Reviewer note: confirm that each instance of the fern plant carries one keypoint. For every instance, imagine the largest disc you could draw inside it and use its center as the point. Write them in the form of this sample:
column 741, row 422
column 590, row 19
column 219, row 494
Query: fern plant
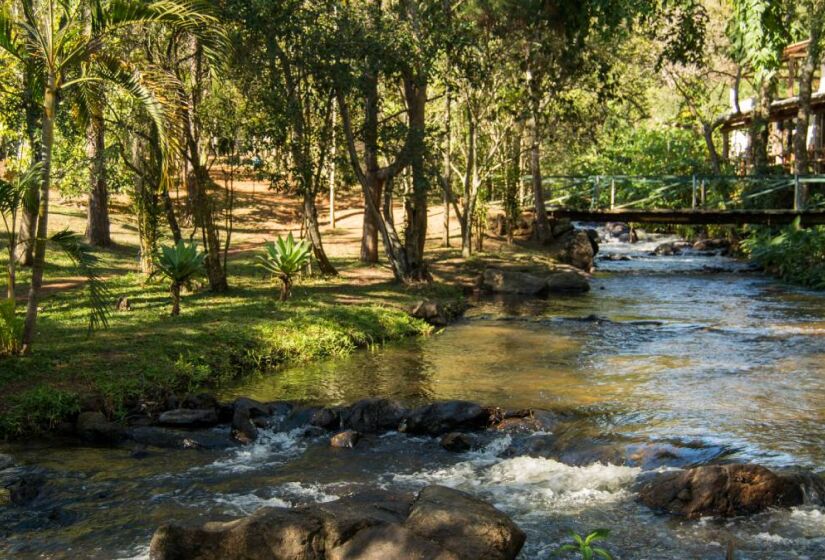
column 584, row 545
column 284, row 259
column 179, row 263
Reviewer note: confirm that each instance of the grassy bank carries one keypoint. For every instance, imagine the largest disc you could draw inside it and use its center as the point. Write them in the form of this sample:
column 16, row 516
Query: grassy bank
column 218, row 338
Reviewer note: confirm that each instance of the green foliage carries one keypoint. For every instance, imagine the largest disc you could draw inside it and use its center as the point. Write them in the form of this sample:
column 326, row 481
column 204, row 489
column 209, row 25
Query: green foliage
column 38, row 409
column 795, row 254
column 284, row 259
column 99, row 297
column 181, row 261
column 11, row 327
column 584, row 545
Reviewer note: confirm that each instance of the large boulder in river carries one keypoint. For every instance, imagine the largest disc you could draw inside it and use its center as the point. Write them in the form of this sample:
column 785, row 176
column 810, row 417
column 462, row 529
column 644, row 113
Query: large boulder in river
column 441, row 524
column 727, row 490
column 464, row 525
column 567, row 281
column 579, row 250
column 370, row 416
column 504, row 281
column 245, row 413
column 442, row 417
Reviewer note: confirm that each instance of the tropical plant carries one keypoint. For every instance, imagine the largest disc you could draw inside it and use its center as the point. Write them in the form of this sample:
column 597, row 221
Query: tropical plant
column 70, row 44
column 10, row 328
column 179, row 263
column 795, row 254
column 284, row 259
column 584, row 545
column 12, row 198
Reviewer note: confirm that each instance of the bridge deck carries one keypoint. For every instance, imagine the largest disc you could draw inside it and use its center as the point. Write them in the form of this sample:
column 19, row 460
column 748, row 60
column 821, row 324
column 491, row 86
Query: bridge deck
column 693, row 217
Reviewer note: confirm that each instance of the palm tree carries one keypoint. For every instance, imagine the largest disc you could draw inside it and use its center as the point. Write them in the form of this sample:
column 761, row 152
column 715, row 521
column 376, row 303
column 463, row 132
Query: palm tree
column 70, row 43
column 179, row 263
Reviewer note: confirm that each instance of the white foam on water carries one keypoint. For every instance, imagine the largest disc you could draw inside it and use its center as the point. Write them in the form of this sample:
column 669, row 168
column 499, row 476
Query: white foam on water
column 529, row 485
column 141, row 553
column 247, row 504
column 270, row 448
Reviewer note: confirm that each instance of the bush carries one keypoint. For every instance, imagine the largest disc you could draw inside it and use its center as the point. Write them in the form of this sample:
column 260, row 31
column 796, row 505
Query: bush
column 795, row 254
column 11, row 328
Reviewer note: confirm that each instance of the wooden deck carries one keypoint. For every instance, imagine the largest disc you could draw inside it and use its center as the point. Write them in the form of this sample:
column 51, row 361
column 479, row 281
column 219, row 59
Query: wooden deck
column 693, row 217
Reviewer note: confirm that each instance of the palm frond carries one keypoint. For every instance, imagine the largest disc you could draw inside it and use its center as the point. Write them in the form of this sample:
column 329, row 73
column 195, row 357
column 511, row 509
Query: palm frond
column 100, row 298
column 181, row 261
column 9, row 40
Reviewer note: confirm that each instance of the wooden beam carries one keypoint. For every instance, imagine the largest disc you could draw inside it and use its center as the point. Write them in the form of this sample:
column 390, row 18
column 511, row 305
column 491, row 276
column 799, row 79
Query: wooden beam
column 693, row 217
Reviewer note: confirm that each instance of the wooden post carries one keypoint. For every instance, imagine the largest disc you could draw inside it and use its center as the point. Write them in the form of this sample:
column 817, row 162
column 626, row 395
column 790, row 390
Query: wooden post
column 612, row 193
column 693, row 191
column 702, row 192
column 595, row 200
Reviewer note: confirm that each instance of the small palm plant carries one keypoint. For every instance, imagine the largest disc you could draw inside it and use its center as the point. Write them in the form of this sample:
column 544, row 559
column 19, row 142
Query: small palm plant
column 14, row 195
column 284, row 259
column 179, row 263
column 584, row 545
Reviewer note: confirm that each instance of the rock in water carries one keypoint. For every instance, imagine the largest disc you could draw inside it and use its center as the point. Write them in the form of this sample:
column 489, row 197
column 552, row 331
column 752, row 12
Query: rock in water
column 5, row 461
column 345, row 439
column 439, row 418
column 441, row 524
column 503, row 281
column 95, row 427
column 579, row 251
column 189, row 418
column 726, row 490
column 431, row 312
column 567, row 281
column 466, row 526
column 458, row 442
column 244, row 429
column 371, row 416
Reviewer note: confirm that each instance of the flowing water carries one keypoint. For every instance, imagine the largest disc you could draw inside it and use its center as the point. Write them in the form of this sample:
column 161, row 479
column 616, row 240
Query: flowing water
column 668, row 361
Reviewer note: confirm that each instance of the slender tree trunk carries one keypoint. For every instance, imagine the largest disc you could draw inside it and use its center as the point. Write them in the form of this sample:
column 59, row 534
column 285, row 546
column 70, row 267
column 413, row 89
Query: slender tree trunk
column 28, row 223
column 542, row 231
column 172, row 220
column 314, row 233
column 715, row 164
column 803, row 115
column 30, row 325
column 448, row 171
column 146, row 204
column 97, row 223
column 286, row 287
column 175, row 291
column 470, row 188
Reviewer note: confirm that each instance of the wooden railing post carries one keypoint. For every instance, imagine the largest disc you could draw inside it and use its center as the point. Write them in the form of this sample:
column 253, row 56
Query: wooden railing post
column 702, row 191
column 612, row 193
column 797, row 194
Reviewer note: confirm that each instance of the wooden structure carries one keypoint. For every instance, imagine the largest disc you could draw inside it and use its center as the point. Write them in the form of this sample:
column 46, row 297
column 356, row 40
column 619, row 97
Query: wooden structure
column 783, row 112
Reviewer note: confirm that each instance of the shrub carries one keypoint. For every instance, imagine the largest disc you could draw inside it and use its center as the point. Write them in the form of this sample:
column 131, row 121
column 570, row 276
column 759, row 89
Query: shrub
column 795, row 254
column 179, row 263
column 11, row 328
column 284, row 259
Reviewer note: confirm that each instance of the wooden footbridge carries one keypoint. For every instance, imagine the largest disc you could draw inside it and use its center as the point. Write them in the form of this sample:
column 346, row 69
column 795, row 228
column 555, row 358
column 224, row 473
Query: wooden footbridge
column 687, row 199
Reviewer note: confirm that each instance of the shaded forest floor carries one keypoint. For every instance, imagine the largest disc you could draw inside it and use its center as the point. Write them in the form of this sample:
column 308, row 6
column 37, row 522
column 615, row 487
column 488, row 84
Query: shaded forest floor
column 145, row 353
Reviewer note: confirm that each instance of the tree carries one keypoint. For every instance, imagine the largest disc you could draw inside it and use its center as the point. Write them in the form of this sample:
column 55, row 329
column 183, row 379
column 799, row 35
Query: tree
column 179, row 263
column 758, row 34
column 814, row 12
column 53, row 36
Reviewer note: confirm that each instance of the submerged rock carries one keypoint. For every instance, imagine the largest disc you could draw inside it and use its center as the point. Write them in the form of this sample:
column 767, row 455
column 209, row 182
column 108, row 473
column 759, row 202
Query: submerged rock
column 727, row 490
column 567, row 281
column 345, row 439
column 433, row 312
column 502, row 281
column 439, row 418
column 6, row 461
column 439, row 524
column 458, row 442
column 244, row 427
column 667, row 249
column 166, row 438
column 712, row 245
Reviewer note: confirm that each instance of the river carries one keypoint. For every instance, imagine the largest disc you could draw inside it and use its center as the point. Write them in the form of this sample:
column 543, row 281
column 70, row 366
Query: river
column 694, row 355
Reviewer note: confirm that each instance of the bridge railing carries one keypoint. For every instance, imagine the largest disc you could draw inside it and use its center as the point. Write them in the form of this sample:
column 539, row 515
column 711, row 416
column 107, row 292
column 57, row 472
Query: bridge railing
column 695, row 192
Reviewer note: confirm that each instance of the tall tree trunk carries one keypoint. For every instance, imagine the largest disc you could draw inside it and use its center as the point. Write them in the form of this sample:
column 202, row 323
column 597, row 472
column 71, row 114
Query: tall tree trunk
column 175, row 293
column 760, row 125
column 30, row 325
column 28, row 223
column 470, row 188
column 415, row 234
column 314, row 233
column 375, row 185
column 146, row 203
column 97, row 223
column 448, row 171
column 542, row 231
column 803, row 115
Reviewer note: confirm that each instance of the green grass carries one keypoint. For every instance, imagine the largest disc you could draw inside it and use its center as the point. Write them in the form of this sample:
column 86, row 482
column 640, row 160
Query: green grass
column 218, row 338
